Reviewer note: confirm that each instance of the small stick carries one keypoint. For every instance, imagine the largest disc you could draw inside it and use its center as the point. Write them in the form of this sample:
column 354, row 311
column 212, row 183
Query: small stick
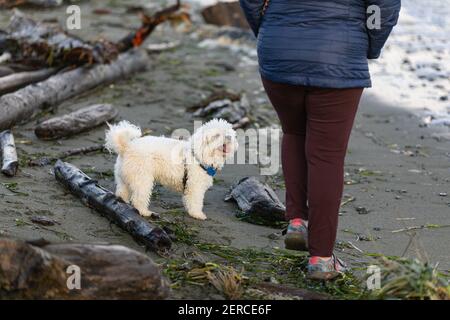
column 355, row 247
column 419, row 227
column 10, row 163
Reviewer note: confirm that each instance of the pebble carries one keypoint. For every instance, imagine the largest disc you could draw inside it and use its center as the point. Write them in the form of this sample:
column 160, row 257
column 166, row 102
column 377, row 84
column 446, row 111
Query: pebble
column 362, row 210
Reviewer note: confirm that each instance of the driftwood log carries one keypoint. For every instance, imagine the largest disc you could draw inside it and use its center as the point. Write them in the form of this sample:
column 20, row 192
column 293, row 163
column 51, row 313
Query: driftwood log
column 75, row 122
column 22, row 104
column 42, row 271
column 43, row 44
column 257, row 200
column 19, row 80
column 112, row 207
column 5, row 71
column 10, row 163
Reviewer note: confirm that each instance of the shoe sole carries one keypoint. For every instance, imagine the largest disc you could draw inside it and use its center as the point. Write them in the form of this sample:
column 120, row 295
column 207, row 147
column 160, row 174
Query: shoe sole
column 319, row 275
column 295, row 242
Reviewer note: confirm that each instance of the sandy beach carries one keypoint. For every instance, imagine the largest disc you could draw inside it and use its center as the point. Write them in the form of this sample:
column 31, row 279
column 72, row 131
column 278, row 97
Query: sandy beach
column 397, row 192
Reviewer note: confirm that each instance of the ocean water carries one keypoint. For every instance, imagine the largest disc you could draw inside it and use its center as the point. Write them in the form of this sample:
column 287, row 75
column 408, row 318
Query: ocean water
column 414, row 69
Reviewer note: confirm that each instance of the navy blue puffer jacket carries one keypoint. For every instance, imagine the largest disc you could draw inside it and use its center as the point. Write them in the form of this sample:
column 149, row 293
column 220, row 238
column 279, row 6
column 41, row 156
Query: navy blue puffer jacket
column 319, row 43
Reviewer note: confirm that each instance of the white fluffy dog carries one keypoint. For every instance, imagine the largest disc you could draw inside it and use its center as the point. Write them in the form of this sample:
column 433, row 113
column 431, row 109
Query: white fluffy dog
column 184, row 166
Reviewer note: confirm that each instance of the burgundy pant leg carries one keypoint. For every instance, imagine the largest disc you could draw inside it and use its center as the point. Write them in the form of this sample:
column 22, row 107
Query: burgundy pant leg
column 289, row 103
column 330, row 116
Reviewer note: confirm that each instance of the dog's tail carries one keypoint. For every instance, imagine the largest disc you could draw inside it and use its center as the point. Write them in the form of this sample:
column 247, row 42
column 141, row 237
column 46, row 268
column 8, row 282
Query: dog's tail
column 118, row 136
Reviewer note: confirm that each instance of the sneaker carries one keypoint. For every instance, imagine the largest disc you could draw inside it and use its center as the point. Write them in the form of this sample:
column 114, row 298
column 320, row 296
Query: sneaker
column 322, row 269
column 296, row 235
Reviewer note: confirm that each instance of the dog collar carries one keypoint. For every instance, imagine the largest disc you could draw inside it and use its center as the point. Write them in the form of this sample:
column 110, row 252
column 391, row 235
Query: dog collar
column 209, row 170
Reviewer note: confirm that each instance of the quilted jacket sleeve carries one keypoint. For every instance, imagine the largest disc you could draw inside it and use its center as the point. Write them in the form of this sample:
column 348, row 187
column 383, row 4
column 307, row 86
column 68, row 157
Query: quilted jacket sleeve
column 252, row 10
column 389, row 10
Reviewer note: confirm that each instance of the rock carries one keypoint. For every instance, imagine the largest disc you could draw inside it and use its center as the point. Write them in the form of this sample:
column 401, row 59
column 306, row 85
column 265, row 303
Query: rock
column 362, row 210
column 257, row 200
column 107, row 272
column 225, row 14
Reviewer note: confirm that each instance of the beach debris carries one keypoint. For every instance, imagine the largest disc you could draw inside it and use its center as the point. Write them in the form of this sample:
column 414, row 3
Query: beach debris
column 43, row 220
column 361, row 210
column 235, row 112
column 346, row 199
column 19, row 80
column 44, row 161
column 10, row 164
column 256, row 200
column 75, row 122
column 113, row 208
column 44, row 44
column 160, row 47
column 364, row 237
column 49, row 271
column 410, row 279
column 34, row 3
column 22, row 104
column 426, row 226
column 214, row 96
column 225, row 14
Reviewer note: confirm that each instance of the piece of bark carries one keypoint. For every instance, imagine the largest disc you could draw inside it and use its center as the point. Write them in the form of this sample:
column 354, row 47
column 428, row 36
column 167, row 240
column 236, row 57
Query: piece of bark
column 225, row 14
column 75, row 122
column 16, row 81
column 257, row 200
column 22, row 104
column 112, row 207
column 10, row 164
column 106, row 272
column 44, row 161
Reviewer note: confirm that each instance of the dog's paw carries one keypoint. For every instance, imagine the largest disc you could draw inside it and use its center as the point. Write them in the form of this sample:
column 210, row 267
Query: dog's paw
column 147, row 213
column 199, row 216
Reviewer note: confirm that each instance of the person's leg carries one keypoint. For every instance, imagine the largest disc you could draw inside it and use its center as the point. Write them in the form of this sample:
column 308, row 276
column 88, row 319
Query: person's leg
column 330, row 116
column 288, row 101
